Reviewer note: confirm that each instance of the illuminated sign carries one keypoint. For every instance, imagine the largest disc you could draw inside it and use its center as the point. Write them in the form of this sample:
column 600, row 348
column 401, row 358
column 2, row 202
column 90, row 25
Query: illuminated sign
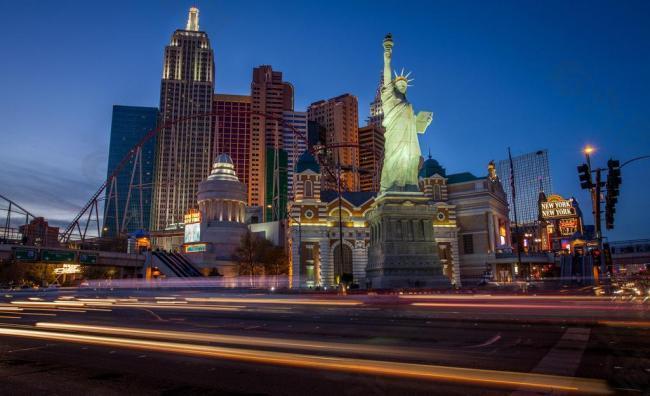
column 68, row 269
column 568, row 226
column 199, row 247
column 192, row 232
column 193, row 216
column 557, row 207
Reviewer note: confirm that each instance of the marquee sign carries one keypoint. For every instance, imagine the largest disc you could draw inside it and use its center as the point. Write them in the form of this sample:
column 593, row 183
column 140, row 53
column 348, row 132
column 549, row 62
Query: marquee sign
column 556, row 207
column 568, row 227
column 193, row 216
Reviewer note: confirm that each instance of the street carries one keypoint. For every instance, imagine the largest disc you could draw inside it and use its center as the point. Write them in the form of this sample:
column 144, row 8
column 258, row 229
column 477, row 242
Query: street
column 82, row 341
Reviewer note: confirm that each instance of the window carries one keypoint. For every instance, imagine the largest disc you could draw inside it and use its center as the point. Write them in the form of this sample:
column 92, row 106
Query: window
column 468, row 243
column 309, row 191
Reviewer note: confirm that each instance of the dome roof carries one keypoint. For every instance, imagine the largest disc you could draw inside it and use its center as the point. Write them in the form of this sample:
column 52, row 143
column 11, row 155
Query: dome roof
column 223, row 169
column 430, row 167
column 307, row 161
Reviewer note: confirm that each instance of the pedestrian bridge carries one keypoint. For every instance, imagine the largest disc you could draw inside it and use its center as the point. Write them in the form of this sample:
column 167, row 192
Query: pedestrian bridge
column 59, row 255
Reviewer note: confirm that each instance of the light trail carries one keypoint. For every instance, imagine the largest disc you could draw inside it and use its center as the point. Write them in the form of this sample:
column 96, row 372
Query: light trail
column 527, row 306
column 377, row 350
column 288, row 301
column 622, row 323
column 497, row 297
column 494, row 378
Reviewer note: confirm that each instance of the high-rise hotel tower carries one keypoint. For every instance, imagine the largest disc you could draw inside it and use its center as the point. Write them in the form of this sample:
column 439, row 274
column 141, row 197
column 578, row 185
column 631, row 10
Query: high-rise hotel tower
column 184, row 153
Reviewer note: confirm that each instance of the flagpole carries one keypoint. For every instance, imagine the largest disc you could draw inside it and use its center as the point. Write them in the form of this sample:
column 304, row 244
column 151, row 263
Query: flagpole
column 514, row 206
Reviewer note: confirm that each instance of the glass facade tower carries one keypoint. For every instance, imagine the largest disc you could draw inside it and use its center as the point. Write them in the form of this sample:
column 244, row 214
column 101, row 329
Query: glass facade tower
column 532, row 175
column 130, row 124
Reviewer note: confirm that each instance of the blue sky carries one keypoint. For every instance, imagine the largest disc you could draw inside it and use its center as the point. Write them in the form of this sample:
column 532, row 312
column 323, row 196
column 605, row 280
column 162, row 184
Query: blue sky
column 524, row 74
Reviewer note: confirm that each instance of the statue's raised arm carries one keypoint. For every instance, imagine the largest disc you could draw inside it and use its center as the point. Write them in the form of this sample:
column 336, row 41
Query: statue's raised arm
column 388, row 53
column 401, row 127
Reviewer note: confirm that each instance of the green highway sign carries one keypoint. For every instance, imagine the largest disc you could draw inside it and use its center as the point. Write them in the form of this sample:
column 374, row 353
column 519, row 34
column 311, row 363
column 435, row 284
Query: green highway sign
column 22, row 254
column 87, row 258
column 57, row 256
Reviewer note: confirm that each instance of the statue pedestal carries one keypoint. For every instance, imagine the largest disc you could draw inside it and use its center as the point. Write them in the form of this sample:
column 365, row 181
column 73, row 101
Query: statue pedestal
column 402, row 251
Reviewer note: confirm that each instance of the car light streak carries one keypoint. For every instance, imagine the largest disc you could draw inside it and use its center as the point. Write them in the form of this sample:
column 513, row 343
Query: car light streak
column 524, row 306
column 622, row 323
column 377, row 350
column 287, row 301
column 496, row 297
column 371, row 367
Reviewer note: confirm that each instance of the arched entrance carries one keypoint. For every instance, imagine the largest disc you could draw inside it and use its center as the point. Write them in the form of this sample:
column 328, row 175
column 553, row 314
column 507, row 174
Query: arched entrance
column 343, row 268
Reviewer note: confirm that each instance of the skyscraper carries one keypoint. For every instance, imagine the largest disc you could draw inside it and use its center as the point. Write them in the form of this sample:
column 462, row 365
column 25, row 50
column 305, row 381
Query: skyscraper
column 270, row 97
column 340, row 118
column 371, row 155
column 184, row 152
column 294, row 136
column 129, row 125
column 376, row 111
column 532, row 175
column 232, row 131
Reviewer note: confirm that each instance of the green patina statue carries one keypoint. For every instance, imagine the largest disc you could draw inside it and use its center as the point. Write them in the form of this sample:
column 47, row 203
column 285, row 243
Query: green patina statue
column 402, row 149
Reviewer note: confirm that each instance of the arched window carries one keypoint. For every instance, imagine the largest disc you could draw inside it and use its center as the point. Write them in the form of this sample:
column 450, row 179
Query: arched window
column 437, row 194
column 309, row 189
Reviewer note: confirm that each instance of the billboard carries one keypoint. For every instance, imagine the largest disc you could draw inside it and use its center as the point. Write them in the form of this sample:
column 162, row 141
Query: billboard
column 192, row 232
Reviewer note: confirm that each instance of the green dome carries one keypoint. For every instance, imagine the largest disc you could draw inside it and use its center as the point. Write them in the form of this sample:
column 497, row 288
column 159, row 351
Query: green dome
column 430, row 167
column 307, row 161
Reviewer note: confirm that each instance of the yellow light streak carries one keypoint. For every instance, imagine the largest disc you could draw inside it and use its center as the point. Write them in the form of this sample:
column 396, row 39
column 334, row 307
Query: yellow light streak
column 371, row 367
column 380, row 350
column 289, row 301
column 622, row 323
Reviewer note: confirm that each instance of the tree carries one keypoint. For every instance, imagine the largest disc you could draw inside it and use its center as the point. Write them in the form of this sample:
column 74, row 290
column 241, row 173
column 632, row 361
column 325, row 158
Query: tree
column 256, row 255
column 247, row 254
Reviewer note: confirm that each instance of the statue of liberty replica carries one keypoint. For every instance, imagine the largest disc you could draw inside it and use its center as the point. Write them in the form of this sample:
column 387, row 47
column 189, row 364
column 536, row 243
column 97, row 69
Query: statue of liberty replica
column 402, row 252
column 401, row 148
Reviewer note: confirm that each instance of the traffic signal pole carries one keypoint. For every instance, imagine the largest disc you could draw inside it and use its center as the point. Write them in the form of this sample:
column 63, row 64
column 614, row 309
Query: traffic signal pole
column 599, row 238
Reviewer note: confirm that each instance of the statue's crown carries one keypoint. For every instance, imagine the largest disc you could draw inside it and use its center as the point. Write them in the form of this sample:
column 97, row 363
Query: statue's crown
column 403, row 76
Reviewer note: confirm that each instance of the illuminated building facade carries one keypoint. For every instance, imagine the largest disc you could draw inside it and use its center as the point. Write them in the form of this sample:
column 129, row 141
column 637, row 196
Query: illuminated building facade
column 232, row 131
column 294, row 141
column 213, row 232
column 470, row 227
column 340, row 118
column 129, row 124
column 532, row 175
column 184, row 149
column 269, row 96
column 371, row 155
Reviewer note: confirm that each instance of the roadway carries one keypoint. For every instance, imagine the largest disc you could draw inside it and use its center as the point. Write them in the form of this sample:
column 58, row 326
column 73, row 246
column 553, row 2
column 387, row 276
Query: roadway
column 196, row 341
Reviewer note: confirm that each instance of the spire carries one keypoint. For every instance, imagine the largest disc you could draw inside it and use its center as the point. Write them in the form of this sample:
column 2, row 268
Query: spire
column 193, row 20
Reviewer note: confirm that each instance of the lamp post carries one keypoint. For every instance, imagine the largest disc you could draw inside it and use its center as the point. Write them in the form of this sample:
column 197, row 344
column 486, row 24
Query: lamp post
column 595, row 200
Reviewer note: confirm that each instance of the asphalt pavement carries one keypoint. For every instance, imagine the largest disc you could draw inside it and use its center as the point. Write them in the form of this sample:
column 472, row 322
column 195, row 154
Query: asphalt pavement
column 168, row 341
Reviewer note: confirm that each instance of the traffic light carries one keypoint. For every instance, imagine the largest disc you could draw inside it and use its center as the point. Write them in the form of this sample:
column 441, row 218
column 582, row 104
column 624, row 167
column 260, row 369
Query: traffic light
column 613, row 185
column 585, row 177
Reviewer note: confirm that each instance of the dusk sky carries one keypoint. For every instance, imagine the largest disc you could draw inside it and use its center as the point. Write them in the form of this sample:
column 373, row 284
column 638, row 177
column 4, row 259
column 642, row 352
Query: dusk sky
column 496, row 74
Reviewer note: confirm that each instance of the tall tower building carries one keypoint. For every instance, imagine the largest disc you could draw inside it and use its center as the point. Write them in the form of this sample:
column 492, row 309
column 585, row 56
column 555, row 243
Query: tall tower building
column 295, row 141
column 232, row 131
column 340, row 118
column 376, row 117
column 184, row 153
column 128, row 126
column 270, row 97
column 371, row 156
column 531, row 172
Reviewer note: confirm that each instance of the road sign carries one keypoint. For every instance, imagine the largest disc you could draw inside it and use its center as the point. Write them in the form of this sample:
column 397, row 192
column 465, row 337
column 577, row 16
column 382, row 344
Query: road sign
column 57, row 256
column 23, row 254
column 87, row 258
